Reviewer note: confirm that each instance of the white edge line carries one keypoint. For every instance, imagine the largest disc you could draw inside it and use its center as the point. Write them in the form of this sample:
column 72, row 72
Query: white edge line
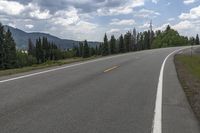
column 60, row 68
column 157, row 120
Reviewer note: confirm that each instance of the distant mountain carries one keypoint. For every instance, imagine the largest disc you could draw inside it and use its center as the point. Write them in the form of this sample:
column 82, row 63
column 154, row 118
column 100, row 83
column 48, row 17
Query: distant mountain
column 21, row 39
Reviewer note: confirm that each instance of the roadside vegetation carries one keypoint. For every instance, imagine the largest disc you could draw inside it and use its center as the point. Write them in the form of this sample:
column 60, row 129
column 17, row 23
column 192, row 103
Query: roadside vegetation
column 42, row 53
column 188, row 69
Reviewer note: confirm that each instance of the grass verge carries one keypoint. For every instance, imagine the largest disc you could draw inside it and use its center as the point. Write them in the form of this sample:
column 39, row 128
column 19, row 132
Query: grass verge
column 188, row 69
column 44, row 65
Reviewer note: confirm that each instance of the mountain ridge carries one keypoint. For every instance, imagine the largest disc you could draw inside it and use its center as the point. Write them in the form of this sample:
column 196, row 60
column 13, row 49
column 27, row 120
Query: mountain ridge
column 21, row 39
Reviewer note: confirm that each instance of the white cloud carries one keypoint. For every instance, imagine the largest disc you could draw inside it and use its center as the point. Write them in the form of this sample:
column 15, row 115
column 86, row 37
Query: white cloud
column 171, row 19
column 127, row 8
column 83, row 30
column 186, row 27
column 12, row 25
column 11, row 7
column 122, row 22
column 145, row 26
column 111, row 31
column 29, row 26
column 145, row 13
column 84, row 26
column 183, row 25
column 193, row 14
column 66, row 17
column 169, row 3
column 189, row 1
column 40, row 14
column 35, row 12
column 162, row 27
column 155, row 1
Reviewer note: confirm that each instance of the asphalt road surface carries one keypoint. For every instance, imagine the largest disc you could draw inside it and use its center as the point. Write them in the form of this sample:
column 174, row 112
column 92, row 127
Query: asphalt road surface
column 115, row 94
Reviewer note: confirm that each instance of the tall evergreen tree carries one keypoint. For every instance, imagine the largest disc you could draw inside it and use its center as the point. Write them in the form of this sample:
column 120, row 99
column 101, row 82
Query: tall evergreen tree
column 121, row 44
column 96, row 50
column 1, row 46
column 127, row 41
column 100, row 49
column 10, row 51
column 86, row 50
column 105, row 48
column 134, row 40
column 39, row 51
column 76, row 51
column 197, row 40
column 113, row 45
column 146, row 40
column 31, row 48
column 81, row 49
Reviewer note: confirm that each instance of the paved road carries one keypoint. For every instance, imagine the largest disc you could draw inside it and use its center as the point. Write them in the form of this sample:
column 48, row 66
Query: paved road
column 115, row 94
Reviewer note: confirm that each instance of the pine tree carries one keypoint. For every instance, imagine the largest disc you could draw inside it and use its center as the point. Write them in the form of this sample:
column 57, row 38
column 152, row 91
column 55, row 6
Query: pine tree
column 39, row 51
column 127, row 41
column 31, row 48
column 113, row 45
column 81, row 49
column 10, row 51
column 1, row 46
column 96, row 50
column 76, row 51
column 121, row 44
column 105, row 48
column 146, row 40
column 141, row 41
column 86, row 50
column 134, row 40
column 100, row 49
column 197, row 40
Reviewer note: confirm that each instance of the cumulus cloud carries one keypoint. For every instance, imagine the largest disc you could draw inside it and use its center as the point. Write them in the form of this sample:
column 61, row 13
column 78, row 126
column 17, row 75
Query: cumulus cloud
column 189, row 1
column 66, row 17
column 29, row 26
column 12, row 25
column 162, row 27
column 112, row 31
column 183, row 25
column 170, row 19
column 83, row 19
column 11, row 7
column 122, row 22
column 125, row 8
column 145, row 26
column 155, row 1
column 145, row 13
column 193, row 14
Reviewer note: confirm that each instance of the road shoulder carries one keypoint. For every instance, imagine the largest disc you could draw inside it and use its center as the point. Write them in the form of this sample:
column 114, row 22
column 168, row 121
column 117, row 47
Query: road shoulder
column 178, row 116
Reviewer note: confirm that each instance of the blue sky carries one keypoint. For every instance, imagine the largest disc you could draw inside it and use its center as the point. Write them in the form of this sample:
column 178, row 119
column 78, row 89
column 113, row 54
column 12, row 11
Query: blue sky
column 91, row 19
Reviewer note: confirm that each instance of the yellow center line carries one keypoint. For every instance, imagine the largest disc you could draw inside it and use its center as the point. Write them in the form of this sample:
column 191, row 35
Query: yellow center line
column 110, row 69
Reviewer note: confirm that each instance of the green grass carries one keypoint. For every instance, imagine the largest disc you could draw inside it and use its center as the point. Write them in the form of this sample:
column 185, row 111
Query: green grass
column 44, row 65
column 192, row 63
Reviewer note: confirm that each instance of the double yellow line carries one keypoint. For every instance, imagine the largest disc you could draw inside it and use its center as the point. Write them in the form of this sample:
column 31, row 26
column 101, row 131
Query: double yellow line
column 110, row 69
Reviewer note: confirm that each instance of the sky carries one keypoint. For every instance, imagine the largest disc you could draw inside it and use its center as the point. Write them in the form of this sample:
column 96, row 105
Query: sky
column 91, row 19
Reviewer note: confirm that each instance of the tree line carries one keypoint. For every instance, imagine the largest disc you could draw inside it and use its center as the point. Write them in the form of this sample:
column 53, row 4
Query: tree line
column 43, row 50
column 136, row 41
